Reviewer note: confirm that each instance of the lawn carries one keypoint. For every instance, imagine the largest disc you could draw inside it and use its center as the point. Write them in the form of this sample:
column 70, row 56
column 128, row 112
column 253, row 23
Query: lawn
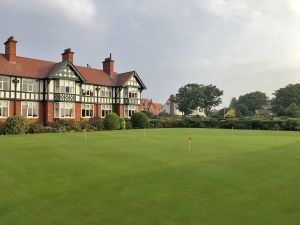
column 132, row 178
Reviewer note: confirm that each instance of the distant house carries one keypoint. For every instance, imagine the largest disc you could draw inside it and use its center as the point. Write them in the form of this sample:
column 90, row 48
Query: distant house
column 171, row 108
column 150, row 106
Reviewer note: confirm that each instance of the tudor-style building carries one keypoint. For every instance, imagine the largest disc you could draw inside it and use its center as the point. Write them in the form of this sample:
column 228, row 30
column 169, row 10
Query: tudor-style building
column 43, row 91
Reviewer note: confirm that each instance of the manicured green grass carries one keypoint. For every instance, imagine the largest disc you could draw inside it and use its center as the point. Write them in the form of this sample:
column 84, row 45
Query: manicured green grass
column 126, row 178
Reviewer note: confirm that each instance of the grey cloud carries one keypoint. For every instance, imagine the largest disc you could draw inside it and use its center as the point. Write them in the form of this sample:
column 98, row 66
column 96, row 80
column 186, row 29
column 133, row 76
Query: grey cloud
column 240, row 45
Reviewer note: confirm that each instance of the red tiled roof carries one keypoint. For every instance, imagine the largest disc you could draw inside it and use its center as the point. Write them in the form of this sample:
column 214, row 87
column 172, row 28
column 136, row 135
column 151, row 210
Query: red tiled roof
column 35, row 68
column 148, row 105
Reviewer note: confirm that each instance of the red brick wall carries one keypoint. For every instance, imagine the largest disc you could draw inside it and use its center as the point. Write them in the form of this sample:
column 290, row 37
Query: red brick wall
column 49, row 107
column 77, row 111
column 99, row 110
column 121, row 111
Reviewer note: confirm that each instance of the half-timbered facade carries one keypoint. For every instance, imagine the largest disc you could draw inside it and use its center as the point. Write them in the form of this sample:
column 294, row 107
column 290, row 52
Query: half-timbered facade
column 44, row 91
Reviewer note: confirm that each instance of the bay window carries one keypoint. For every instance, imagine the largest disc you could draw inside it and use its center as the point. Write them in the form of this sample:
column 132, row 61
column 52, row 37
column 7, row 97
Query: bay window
column 65, row 86
column 4, row 83
column 4, row 109
column 129, row 110
column 30, row 109
column 30, row 85
column 106, row 109
column 64, row 110
column 87, row 90
column 87, row 110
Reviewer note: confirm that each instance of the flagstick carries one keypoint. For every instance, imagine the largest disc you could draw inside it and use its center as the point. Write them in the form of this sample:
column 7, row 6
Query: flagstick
column 85, row 134
column 250, row 128
column 190, row 146
column 232, row 130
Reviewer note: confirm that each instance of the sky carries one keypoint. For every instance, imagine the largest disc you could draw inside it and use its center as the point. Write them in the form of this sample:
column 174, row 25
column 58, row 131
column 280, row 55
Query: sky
column 238, row 45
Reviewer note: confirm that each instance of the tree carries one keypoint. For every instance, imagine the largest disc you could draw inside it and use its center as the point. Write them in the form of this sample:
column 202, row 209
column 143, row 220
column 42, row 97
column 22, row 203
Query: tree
column 292, row 110
column 284, row 97
column 188, row 98
column 248, row 104
column 210, row 96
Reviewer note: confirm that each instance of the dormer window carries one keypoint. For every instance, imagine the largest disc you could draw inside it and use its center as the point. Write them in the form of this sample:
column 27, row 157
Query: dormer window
column 64, row 86
column 131, row 93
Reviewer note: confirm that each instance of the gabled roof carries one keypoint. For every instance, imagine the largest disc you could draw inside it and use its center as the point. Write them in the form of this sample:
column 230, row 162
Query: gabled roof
column 42, row 69
column 58, row 66
column 122, row 78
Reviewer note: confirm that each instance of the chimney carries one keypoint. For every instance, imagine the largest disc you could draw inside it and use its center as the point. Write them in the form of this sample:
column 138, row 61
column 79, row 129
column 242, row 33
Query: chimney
column 108, row 65
column 11, row 49
column 68, row 55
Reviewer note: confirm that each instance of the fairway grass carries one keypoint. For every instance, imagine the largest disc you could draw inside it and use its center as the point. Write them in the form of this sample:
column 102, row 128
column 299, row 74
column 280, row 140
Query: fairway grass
column 131, row 178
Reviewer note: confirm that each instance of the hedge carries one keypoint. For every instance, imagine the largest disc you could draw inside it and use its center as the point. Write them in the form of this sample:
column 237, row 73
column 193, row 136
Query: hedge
column 111, row 122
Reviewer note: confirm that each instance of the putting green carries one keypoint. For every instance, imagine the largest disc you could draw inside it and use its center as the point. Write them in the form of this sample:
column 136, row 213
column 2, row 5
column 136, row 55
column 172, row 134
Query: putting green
column 132, row 178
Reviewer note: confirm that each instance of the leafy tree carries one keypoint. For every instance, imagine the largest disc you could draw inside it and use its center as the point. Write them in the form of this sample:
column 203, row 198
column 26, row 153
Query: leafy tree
column 248, row 104
column 148, row 114
column 188, row 98
column 292, row 110
column 233, row 102
column 210, row 96
column 284, row 97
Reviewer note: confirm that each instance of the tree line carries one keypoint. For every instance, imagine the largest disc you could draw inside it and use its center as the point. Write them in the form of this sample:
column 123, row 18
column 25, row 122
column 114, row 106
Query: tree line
column 285, row 101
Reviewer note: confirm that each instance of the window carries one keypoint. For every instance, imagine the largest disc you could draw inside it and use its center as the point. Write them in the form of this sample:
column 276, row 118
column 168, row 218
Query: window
column 106, row 109
column 3, row 108
column 87, row 90
column 87, row 110
column 130, row 110
column 4, row 83
column 131, row 93
column 64, row 110
column 29, row 85
column 106, row 92
column 65, row 86
column 30, row 109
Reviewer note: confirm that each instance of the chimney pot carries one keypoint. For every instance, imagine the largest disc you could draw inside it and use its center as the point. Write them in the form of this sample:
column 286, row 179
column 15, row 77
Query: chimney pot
column 108, row 65
column 68, row 55
column 11, row 49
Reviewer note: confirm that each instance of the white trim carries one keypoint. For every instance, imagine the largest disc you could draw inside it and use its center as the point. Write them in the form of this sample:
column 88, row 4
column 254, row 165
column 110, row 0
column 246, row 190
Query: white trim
column 86, row 109
column 7, row 108
column 33, row 103
column 64, row 117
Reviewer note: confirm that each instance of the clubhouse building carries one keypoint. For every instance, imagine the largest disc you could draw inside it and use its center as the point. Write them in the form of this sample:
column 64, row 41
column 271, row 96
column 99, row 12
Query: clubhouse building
column 44, row 91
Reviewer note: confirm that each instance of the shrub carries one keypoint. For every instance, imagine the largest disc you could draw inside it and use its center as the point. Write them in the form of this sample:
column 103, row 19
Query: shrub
column 84, row 124
column 97, row 122
column 139, row 120
column 122, row 124
column 16, row 125
column 2, row 128
column 36, row 128
column 75, row 126
column 111, row 122
column 128, row 124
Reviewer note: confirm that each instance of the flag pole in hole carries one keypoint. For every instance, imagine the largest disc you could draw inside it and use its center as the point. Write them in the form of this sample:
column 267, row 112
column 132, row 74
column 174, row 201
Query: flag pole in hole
column 189, row 140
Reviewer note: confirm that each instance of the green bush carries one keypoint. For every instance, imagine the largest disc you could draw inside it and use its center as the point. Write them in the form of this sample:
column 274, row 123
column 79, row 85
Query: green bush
column 75, row 126
column 139, row 120
column 97, row 122
column 122, row 124
column 111, row 122
column 128, row 124
column 36, row 128
column 15, row 125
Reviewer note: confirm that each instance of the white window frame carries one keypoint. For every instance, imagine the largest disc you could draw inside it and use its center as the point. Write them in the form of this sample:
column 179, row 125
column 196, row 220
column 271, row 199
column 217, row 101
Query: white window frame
column 65, row 86
column 106, row 109
column 61, row 110
column 30, row 108
column 88, row 90
column 4, row 80
column 29, row 85
column 87, row 109
column 129, row 110
column 106, row 92
column 3, row 105
column 131, row 93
